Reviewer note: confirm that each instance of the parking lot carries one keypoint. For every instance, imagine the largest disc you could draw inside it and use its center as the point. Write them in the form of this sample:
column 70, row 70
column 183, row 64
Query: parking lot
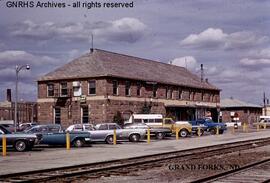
column 50, row 157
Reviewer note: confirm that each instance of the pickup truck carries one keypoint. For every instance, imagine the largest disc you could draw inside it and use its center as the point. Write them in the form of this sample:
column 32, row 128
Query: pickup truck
column 210, row 125
column 198, row 128
column 183, row 126
column 54, row 135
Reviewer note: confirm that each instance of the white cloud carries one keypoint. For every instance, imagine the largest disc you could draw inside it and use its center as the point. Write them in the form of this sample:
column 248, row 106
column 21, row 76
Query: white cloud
column 217, row 38
column 12, row 57
column 209, row 37
column 254, row 62
column 188, row 61
column 262, row 53
column 125, row 29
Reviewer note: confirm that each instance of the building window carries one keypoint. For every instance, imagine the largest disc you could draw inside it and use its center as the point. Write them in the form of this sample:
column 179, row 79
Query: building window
column 85, row 114
column 64, row 89
column 115, row 87
column 50, row 90
column 155, row 91
column 127, row 88
column 139, row 86
column 191, row 95
column 202, row 95
column 57, row 115
column 180, row 92
column 168, row 93
column 92, row 87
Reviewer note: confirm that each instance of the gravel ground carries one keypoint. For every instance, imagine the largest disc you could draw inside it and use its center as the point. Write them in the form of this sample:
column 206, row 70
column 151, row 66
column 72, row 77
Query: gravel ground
column 177, row 171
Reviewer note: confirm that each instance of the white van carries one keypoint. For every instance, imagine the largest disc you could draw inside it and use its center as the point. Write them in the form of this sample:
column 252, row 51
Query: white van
column 149, row 119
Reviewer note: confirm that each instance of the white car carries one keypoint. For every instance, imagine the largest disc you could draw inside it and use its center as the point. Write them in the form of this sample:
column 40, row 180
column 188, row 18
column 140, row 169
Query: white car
column 80, row 127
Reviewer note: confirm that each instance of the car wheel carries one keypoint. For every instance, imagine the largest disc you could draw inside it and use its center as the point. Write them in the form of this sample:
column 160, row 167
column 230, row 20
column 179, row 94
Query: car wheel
column 20, row 145
column 78, row 143
column 183, row 133
column 201, row 132
column 160, row 135
column 109, row 139
column 213, row 131
column 134, row 138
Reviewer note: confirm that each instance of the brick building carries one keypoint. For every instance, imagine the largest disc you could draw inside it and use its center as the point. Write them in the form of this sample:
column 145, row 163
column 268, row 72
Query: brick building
column 27, row 111
column 235, row 110
column 93, row 87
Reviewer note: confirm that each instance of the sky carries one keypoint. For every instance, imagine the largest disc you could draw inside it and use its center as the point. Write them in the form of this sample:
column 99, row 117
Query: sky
column 229, row 37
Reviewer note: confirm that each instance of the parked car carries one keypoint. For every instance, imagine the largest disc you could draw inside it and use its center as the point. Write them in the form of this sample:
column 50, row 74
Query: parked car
column 80, row 127
column 133, row 135
column 54, row 135
column 8, row 124
column 159, row 132
column 96, row 135
column 26, row 126
column 19, row 141
column 211, row 126
column 198, row 128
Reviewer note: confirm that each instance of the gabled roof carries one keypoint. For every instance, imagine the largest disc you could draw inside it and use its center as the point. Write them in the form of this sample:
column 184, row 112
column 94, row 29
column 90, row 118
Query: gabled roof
column 230, row 103
column 103, row 63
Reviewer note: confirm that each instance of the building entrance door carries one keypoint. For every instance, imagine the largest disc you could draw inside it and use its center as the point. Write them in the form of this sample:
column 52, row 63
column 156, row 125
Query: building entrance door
column 57, row 115
column 85, row 114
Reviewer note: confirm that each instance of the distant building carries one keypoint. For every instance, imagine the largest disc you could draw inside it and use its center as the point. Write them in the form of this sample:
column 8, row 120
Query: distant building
column 27, row 111
column 235, row 110
column 95, row 86
column 266, row 110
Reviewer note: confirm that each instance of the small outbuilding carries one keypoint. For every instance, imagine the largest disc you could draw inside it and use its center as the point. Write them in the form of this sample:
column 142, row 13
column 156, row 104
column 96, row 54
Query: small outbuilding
column 234, row 110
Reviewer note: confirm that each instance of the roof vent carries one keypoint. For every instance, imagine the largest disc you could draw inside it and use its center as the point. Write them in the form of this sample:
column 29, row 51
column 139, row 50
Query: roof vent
column 91, row 50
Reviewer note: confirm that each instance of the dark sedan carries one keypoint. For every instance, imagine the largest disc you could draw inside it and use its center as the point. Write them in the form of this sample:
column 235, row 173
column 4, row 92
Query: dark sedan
column 19, row 141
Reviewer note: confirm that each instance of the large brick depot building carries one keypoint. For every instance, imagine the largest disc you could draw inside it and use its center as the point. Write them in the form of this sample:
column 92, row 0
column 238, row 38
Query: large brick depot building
column 93, row 87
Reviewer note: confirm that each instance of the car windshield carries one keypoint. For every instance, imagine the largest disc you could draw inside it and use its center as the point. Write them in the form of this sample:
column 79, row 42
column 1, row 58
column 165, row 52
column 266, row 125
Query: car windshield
column 4, row 130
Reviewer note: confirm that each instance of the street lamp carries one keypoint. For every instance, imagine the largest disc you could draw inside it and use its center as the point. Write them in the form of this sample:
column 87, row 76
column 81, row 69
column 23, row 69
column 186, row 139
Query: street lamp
column 18, row 69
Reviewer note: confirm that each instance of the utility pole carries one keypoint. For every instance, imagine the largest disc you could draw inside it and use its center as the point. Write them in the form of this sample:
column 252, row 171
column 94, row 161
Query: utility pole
column 18, row 68
column 264, row 103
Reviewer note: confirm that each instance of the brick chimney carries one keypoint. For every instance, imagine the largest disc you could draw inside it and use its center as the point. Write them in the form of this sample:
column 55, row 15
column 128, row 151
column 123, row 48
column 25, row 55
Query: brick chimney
column 9, row 95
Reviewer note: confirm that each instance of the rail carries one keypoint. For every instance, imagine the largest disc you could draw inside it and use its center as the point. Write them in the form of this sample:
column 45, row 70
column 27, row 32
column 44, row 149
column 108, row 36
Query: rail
column 121, row 167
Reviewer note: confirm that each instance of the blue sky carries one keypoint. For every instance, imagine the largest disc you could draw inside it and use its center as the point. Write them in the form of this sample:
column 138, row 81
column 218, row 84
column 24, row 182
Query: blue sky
column 231, row 39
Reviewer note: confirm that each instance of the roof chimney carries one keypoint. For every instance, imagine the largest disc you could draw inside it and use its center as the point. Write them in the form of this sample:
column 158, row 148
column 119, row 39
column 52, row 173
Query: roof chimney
column 9, row 95
column 91, row 50
column 202, row 74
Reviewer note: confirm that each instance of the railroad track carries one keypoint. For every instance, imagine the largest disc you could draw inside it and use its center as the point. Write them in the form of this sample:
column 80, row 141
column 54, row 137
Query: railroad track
column 252, row 173
column 125, row 166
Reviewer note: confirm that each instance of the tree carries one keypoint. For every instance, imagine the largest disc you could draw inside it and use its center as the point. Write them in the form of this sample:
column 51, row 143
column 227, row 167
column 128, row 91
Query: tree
column 118, row 118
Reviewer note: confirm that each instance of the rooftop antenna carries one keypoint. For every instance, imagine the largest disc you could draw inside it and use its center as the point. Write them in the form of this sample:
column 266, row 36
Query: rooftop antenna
column 202, row 73
column 92, row 43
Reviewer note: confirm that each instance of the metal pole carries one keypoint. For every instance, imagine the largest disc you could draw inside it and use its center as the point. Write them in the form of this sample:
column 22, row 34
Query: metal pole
column 16, row 100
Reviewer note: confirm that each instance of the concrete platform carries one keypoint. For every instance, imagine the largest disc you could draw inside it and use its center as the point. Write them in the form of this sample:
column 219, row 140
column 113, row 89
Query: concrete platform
column 58, row 157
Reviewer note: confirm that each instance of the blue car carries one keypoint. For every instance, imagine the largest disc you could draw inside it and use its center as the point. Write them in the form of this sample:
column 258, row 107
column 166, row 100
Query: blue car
column 54, row 135
column 210, row 125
